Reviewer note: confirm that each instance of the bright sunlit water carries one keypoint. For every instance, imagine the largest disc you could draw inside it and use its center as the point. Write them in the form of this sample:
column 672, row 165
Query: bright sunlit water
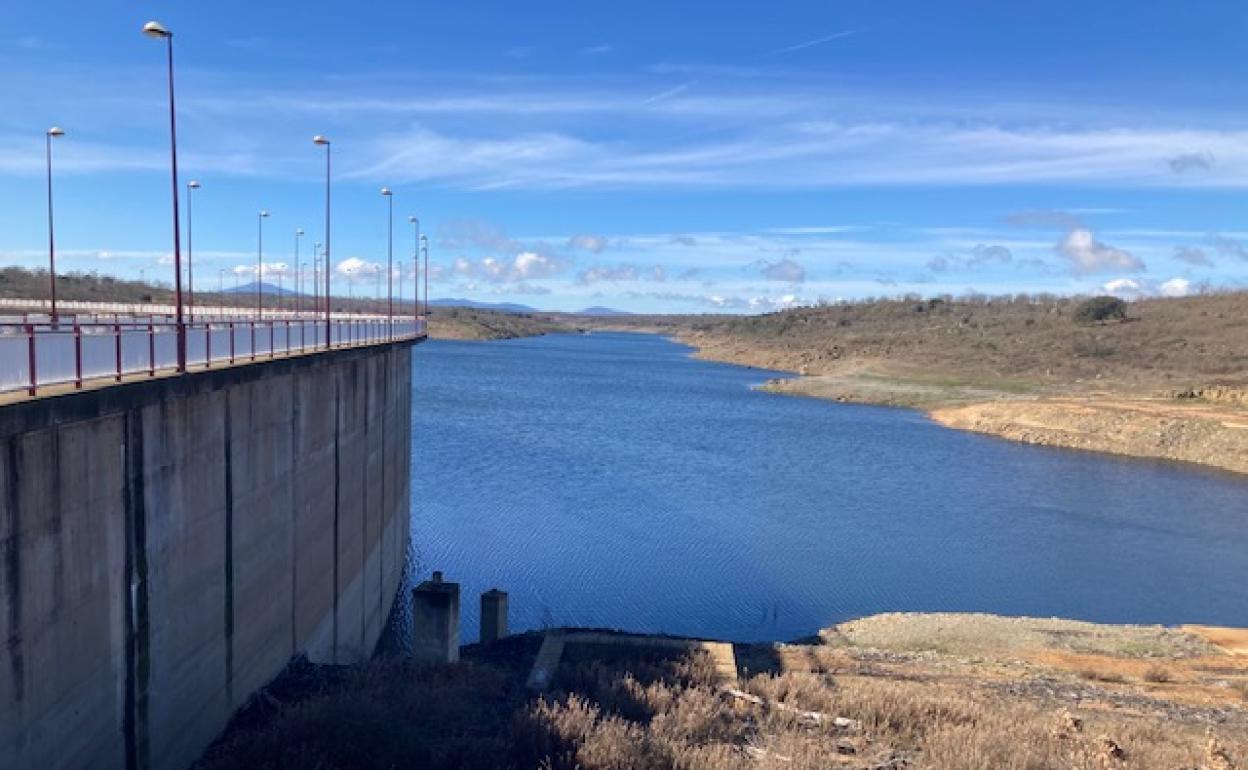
column 610, row 480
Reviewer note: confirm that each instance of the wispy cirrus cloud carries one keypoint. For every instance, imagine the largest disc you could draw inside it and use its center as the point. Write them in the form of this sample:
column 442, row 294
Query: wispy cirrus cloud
column 814, row 42
column 620, row 273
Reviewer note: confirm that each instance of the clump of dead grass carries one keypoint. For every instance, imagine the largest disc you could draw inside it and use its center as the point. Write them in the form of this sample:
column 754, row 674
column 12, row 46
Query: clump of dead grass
column 663, row 710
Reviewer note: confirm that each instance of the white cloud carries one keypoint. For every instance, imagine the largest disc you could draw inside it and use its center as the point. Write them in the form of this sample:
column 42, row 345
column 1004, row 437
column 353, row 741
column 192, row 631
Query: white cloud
column 1127, row 288
column 1088, row 255
column 527, row 265
column 1175, row 287
column 1136, row 288
column 355, row 267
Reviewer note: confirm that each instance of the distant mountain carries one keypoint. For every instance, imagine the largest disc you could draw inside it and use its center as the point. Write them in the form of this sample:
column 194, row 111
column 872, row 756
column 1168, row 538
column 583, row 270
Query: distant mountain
column 503, row 307
column 599, row 310
column 266, row 288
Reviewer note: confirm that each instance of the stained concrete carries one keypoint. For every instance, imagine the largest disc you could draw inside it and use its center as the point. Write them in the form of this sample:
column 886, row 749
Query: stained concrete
column 167, row 546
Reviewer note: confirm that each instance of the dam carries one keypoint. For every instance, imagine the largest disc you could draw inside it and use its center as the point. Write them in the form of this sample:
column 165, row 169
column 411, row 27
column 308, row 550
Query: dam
column 169, row 542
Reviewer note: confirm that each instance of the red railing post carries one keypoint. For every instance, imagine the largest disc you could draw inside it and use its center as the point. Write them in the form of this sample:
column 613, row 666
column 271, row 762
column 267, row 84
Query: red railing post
column 30, row 354
column 77, row 355
column 117, row 331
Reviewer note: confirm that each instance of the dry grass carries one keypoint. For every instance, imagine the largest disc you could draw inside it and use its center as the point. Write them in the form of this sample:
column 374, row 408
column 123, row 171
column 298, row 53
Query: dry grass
column 651, row 709
column 1158, row 674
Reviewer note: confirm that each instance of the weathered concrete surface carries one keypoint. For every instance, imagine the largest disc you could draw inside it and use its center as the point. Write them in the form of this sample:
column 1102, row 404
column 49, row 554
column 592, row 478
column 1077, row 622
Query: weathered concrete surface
column 167, row 546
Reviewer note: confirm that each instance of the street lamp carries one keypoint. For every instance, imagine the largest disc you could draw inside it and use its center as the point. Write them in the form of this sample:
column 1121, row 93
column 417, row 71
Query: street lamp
column 52, row 133
column 415, row 220
column 385, row 191
column 424, row 246
column 156, row 30
column 298, row 278
column 316, row 278
column 191, row 186
column 263, row 215
column 221, row 284
column 324, row 142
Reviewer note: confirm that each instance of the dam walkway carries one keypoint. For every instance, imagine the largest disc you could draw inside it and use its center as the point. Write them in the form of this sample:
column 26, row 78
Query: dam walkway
column 40, row 355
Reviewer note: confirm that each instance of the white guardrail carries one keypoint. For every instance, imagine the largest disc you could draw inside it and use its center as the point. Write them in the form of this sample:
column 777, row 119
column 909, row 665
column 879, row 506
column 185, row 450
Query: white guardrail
column 107, row 344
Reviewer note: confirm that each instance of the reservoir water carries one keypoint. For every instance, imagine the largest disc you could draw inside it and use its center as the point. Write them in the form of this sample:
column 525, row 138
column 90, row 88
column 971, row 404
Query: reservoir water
column 610, row 480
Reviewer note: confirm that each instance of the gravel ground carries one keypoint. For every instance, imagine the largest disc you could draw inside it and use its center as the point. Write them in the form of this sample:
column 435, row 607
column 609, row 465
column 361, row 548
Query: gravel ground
column 978, row 634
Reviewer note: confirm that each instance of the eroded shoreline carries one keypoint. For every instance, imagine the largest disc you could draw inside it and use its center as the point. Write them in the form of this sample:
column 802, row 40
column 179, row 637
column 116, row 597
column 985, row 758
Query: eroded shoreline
column 1077, row 416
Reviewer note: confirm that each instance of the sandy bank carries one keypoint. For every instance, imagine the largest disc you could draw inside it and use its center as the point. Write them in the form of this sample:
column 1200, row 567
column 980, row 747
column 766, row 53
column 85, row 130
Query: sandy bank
column 1208, row 428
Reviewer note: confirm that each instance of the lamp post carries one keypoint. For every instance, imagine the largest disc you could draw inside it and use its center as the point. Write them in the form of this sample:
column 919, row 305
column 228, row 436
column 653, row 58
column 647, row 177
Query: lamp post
column 298, row 277
column 52, row 133
column 424, row 246
column 389, row 261
column 415, row 220
column 260, row 217
column 191, row 186
column 156, row 30
column 316, row 278
column 221, row 283
column 324, row 142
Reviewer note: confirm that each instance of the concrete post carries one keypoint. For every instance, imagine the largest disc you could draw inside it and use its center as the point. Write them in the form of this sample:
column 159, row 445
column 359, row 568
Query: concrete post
column 435, row 621
column 493, row 615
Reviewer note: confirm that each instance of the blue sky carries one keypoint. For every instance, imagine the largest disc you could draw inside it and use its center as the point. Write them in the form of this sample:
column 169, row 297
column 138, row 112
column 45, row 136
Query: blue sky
column 683, row 157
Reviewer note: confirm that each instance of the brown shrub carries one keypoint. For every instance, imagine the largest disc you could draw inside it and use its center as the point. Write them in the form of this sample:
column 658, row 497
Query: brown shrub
column 1158, row 674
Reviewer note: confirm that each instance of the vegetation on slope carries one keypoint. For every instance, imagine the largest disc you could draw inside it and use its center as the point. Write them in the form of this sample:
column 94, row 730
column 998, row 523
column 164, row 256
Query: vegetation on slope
column 464, row 323
column 1035, row 340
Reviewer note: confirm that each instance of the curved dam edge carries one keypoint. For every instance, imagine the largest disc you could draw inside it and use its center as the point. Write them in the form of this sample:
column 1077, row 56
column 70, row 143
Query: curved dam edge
column 166, row 546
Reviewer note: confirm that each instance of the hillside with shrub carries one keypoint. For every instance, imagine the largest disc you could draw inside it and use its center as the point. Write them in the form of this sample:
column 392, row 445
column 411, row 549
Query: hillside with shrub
column 1027, row 341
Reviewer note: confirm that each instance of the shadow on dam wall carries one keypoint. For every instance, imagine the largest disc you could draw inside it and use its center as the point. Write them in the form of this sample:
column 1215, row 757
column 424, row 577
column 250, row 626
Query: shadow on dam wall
column 166, row 546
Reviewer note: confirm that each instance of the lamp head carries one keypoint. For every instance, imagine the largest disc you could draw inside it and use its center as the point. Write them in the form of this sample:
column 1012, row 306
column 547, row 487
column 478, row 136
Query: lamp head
column 264, row 213
column 156, row 30
column 386, row 191
column 413, row 219
column 299, row 231
column 56, row 131
column 193, row 184
column 318, row 139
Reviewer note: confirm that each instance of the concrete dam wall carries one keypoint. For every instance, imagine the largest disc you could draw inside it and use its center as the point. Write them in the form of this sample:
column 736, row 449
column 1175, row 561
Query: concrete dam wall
column 166, row 546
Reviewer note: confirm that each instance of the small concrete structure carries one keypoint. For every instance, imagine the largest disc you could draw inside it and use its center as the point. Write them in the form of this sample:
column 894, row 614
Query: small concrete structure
column 435, row 621
column 543, row 672
column 493, row 615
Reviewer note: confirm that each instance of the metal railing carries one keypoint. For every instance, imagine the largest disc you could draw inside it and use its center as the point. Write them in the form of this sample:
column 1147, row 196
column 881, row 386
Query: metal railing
column 36, row 353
